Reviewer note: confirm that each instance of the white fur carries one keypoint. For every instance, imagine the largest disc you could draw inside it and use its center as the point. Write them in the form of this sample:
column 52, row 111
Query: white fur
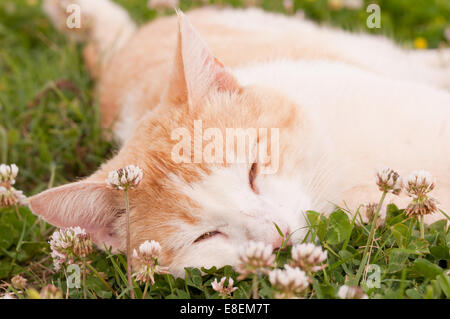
column 375, row 53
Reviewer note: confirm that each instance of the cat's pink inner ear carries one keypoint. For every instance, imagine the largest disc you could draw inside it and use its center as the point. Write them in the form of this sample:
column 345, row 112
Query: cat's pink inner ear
column 90, row 205
column 196, row 70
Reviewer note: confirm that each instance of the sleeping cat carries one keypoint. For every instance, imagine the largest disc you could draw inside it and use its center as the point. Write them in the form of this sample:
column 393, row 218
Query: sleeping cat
column 344, row 104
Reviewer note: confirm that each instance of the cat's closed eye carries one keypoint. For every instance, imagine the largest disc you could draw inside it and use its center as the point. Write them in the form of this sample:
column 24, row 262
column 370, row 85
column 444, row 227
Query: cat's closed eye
column 252, row 176
column 207, row 235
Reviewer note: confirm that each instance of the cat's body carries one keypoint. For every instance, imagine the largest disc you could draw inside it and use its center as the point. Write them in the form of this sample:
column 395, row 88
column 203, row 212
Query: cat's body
column 345, row 105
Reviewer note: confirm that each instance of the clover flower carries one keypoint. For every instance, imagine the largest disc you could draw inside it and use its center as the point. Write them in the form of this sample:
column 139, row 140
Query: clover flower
column 8, row 295
column 308, row 257
column 8, row 173
column 125, row 178
column 351, row 292
column 11, row 196
column 388, row 180
column 290, row 282
column 147, row 260
column 255, row 258
column 51, row 292
column 368, row 214
column 417, row 185
column 69, row 243
column 223, row 291
column 19, row 282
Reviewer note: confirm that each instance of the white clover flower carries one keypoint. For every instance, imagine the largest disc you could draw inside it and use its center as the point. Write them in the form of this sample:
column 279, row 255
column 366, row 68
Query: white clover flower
column 308, row 257
column 162, row 4
column 8, row 295
column 255, row 258
column 19, row 282
column 11, row 196
column 147, row 251
column 417, row 185
column 125, row 178
column 146, row 258
column 68, row 243
column 223, row 291
column 354, row 292
column 51, row 292
column 388, row 180
column 290, row 282
column 8, row 173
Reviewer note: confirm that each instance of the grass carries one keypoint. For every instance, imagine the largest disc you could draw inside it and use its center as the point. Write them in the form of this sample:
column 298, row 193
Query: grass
column 49, row 127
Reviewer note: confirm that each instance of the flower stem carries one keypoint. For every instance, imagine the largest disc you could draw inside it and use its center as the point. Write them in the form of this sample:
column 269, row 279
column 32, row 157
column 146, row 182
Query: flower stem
column 422, row 227
column 84, row 278
column 145, row 290
column 18, row 213
column 255, row 287
column 373, row 227
column 130, row 282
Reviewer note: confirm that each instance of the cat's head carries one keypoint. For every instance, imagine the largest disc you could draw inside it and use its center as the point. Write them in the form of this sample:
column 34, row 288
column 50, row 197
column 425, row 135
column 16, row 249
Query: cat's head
column 200, row 209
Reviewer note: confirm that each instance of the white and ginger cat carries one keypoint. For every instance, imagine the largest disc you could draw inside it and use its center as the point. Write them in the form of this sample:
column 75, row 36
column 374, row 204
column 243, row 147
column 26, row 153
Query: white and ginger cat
column 345, row 104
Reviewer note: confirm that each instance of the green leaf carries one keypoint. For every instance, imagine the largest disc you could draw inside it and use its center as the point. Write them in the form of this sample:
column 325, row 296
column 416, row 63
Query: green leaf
column 427, row 268
column 439, row 226
column 440, row 252
column 339, row 228
column 5, row 269
column 444, row 282
column 279, row 230
column 318, row 224
column 420, row 246
column 394, row 215
column 178, row 294
column 397, row 259
column 413, row 294
column 194, row 278
column 401, row 234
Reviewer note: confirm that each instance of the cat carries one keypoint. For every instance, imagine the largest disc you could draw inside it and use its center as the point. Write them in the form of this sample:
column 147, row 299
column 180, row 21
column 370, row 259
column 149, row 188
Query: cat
column 344, row 105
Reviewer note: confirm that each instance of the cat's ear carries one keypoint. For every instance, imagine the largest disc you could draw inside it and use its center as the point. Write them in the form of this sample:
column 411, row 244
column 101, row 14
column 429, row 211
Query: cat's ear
column 196, row 71
column 90, row 205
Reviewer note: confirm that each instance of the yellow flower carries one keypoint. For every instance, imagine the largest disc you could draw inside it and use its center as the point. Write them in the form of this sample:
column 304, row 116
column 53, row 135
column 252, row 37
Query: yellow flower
column 420, row 43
